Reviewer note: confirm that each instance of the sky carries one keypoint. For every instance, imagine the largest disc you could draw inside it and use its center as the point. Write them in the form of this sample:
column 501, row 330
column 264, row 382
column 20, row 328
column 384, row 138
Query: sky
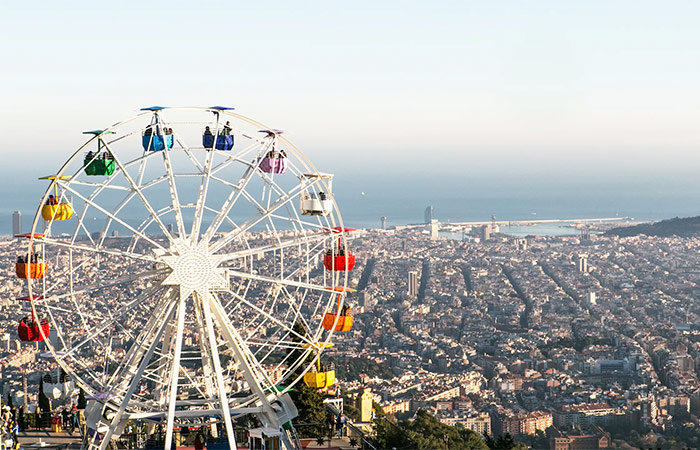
column 497, row 92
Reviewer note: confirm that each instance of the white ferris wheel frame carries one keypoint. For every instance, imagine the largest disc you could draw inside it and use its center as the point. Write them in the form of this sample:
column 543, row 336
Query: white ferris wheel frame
column 266, row 400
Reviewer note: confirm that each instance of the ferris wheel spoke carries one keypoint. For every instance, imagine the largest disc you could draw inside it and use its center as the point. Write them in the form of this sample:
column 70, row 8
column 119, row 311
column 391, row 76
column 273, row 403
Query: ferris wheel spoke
column 301, row 223
column 175, row 201
column 102, row 185
column 108, row 322
column 100, row 251
column 280, row 281
column 239, row 158
column 162, row 316
column 290, row 196
column 112, row 216
column 175, row 373
column 253, row 372
column 139, row 193
column 269, row 317
column 187, row 150
column 288, row 345
column 227, row 219
column 228, row 205
column 214, row 360
column 47, row 291
column 49, row 298
column 201, row 198
column 313, row 239
column 152, row 338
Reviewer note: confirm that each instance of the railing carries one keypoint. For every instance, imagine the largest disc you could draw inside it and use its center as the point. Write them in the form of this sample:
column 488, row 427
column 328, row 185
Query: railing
column 335, row 406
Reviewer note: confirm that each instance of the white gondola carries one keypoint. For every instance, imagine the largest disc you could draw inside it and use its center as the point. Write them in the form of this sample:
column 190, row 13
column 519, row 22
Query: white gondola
column 317, row 203
column 264, row 439
column 58, row 385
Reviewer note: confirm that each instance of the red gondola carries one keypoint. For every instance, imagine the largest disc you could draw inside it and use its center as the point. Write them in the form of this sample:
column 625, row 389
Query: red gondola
column 336, row 259
column 28, row 330
column 339, row 261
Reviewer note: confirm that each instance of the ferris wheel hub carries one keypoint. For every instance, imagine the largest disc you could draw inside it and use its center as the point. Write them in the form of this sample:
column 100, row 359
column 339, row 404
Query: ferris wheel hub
column 194, row 269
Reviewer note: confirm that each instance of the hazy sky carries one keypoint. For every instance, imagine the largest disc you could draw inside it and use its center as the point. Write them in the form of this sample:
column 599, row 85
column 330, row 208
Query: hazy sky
column 464, row 86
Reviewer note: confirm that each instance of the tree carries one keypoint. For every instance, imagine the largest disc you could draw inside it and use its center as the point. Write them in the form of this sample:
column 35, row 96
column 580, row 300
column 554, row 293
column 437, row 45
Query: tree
column 309, row 401
column 504, row 442
column 82, row 401
column 44, row 402
column 426, row 433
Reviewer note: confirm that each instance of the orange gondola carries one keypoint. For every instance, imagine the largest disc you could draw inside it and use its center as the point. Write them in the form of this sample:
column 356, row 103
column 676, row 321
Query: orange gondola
column 32, row 267
column 341, row 319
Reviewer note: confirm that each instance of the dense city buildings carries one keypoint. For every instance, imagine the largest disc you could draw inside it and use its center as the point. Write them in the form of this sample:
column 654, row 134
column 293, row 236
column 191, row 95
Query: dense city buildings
column 561, row 342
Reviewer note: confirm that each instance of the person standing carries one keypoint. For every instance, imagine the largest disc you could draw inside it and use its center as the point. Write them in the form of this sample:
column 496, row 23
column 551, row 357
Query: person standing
column 199, row 441
column 37, row 417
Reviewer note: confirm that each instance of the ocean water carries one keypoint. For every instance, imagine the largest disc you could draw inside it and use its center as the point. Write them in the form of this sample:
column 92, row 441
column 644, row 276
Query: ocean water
column 364, row 196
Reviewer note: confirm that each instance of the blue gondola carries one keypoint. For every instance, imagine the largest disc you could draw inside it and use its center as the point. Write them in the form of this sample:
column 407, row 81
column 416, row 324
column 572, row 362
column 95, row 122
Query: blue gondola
column 222, row 142
column 154, row 143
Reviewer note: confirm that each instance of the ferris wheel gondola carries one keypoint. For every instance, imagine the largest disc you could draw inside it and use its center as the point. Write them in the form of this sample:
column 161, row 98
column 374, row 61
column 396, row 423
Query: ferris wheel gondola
column 181, row 284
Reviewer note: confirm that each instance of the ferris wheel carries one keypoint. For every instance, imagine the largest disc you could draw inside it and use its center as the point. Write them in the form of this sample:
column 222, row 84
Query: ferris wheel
column 187, row 266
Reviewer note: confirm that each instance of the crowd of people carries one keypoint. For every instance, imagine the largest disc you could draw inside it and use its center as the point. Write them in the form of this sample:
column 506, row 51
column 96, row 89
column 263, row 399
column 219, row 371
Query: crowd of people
column 336, row 424
column 9, row 427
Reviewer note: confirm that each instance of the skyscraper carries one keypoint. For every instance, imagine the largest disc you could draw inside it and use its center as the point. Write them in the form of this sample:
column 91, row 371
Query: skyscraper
column 486, row 233
column 16, row 223
column 412, row 283
column 383, row 219
column 429, row 214
column 583, row 263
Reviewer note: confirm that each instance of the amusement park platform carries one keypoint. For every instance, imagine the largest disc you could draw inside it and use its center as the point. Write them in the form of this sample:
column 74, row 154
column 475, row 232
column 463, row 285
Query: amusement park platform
column 51, row 440
column 48, row 439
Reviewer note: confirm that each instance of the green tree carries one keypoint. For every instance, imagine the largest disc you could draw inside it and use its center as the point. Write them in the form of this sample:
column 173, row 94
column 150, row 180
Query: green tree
column 82, row 401
column 309, row 401
column 426, row 433
column 505, row 442
column 44, row 402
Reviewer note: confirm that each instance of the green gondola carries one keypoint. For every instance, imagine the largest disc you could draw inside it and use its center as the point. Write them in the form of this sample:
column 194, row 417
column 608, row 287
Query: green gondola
column 104, row 167
column 102, row 162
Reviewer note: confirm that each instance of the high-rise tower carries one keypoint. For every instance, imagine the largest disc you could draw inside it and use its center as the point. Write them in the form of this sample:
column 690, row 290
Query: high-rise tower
column 429, row 214
column 412, row 283
column 583, row 263
column 16, row 223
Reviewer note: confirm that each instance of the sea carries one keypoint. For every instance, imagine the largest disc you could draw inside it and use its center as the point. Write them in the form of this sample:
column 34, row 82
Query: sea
column 364, row 196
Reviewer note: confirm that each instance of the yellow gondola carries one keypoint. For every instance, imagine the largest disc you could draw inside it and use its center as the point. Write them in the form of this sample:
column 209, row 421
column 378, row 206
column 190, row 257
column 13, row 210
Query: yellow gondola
column 322, row 376
column 53, row 210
